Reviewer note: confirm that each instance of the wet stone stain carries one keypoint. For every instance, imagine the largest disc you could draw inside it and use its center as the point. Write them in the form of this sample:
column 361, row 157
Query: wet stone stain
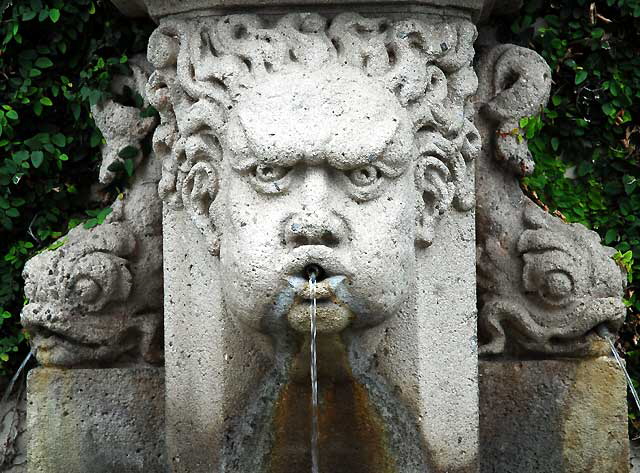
column 352, row 435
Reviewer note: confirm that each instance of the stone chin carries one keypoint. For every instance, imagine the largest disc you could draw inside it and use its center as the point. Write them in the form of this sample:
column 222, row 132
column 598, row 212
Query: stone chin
column 57, row 350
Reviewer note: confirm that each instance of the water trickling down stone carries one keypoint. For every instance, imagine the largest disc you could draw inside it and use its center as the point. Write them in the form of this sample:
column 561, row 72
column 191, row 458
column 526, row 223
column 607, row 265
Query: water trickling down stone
column 314, row 375
column 626, row 373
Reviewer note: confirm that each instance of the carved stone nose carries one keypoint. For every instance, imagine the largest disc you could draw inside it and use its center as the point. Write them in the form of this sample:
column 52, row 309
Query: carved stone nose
column 314, row 229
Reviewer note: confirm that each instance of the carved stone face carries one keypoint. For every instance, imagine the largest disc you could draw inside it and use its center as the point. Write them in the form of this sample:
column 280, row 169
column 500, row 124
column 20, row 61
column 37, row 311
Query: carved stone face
column 314, row 142
column 319, row 171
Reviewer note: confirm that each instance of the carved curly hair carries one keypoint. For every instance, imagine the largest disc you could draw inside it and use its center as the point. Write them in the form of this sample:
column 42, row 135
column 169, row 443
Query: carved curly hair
column 204, row 65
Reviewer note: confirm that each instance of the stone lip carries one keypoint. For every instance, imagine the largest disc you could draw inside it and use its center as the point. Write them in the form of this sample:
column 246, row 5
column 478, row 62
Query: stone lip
column 478, row 9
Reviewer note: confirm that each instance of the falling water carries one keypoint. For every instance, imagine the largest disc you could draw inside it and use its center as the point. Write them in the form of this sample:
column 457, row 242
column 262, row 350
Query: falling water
column 314, row 375
column 626, row 373
column 608, row 336
column 7, row 392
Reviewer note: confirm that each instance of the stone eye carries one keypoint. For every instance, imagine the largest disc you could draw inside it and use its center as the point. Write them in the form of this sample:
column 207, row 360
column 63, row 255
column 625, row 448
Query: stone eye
column 87, row 289
column 270, row 172
column 557, row 285
column 364, row 176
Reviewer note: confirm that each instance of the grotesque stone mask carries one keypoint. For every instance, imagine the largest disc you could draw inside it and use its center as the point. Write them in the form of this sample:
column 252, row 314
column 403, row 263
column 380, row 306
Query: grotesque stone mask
column 311, row 145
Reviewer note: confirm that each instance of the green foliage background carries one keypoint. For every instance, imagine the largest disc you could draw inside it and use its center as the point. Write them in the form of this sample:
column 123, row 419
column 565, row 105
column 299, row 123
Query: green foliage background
column 57, row 58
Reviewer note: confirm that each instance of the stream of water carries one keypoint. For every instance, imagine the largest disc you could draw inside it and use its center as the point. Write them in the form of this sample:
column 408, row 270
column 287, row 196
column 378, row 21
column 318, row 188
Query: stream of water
column 314, row 375
column 626, row 373
column 7, row 392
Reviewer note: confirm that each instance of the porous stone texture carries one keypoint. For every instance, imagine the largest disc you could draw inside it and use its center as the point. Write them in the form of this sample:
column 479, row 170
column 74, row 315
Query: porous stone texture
column 546, row 289
column 343, row 144
column 96, row 420
column 478, row 10
column 338, row 140
column 551, row 416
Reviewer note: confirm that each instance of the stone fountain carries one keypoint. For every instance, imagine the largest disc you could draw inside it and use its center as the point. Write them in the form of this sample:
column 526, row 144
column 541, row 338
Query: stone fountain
column 378, row 143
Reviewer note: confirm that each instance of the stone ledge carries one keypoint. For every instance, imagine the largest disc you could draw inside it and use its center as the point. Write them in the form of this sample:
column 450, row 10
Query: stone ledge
column 478, row 9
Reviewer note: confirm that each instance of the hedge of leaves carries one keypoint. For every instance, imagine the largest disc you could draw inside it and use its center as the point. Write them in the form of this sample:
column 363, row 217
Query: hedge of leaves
column 57, row 58
column 586, row 143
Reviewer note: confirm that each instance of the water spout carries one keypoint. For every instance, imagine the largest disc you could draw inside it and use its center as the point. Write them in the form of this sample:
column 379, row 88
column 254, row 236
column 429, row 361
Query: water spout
column 313, row 272
column 608, row 336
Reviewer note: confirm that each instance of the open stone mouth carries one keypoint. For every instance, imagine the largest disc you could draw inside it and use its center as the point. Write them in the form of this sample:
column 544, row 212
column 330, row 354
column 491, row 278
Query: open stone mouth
column 45, row 338
column 324, row 284
column 333, row 315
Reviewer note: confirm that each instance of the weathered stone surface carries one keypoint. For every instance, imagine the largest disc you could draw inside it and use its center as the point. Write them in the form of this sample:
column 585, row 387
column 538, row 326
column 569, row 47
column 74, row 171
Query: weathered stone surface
column 289, row 141
column 98, row 421
column 343, row 142
column 13, row 432
column 123, row 125
column 545, row 287
column 96, row 298
column 552, row 416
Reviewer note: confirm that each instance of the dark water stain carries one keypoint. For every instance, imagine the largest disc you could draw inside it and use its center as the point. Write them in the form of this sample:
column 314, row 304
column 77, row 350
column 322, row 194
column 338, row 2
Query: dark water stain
column 352, row 434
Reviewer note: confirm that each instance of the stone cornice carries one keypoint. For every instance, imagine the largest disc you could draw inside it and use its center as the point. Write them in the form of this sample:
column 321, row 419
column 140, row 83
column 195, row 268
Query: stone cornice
column 478, row 10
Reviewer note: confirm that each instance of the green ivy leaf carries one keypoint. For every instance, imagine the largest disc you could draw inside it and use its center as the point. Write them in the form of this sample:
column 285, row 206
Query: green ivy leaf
column 608, row 109
column 581, row 76
column 54, row 14
column 20, row 156
column 59, row 140
column 43, row 62
column 129, row 167
column 29, row 15
column 36, row 158
column 128, row 152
